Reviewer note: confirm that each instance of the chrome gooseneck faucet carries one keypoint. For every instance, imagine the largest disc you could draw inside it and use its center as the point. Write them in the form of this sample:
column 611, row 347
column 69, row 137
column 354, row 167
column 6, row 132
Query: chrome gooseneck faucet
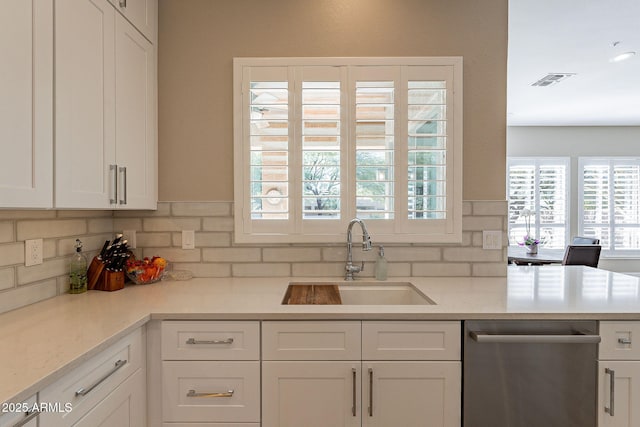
column 366, row 246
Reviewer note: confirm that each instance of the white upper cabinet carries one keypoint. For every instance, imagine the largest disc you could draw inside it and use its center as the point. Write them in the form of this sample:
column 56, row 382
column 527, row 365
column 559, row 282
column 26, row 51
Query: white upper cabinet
column 26, row 115
column 85, row 103
column 136, row 148
column 142, row 14
column 106, row 146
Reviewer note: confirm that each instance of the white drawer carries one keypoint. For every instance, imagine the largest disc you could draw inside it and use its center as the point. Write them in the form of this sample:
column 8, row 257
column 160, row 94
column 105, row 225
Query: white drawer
column 92, row 381
column 233, row 390
column 419, row 340
column 312, row 340
column 210, row 340
column 620, row 341
column 12, row 414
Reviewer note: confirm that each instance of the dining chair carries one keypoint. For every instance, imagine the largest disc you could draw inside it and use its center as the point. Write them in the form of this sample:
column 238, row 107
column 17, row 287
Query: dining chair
column 588, row 255
column 579, row 240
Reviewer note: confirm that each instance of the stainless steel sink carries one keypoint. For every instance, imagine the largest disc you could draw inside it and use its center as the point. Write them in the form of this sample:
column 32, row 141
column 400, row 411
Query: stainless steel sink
column 378, row 293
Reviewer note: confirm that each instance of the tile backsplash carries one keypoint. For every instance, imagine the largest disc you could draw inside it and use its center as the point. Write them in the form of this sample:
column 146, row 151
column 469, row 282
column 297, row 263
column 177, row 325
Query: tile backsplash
column 20, row 285
column 215, row 255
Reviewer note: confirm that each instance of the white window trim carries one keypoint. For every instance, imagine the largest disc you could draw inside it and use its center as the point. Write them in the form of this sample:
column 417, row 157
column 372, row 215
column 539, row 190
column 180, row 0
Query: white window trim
column 451, row 232
column 536, row 161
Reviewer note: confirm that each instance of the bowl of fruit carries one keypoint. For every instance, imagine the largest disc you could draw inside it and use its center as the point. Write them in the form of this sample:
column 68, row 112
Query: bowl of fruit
column 146, row 270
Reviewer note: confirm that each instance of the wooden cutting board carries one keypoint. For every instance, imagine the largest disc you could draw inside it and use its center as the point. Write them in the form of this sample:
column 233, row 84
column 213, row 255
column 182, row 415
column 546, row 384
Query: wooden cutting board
column 312, row 294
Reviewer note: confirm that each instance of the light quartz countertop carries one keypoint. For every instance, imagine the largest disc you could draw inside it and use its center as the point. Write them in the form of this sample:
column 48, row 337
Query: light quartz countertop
column 44, row 341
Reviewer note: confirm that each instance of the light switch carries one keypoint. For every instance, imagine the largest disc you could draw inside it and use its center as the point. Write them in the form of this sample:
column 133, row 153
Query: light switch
column 188, row 239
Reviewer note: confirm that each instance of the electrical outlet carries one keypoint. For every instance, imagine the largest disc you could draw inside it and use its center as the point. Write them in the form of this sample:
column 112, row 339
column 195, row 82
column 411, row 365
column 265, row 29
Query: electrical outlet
column 130, row 237
column 492, row 239
column 32, row 252
column 188, row 239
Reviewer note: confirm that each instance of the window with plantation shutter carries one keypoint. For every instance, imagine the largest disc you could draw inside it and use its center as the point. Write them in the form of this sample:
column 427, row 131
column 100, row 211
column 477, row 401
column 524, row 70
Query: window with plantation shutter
column 538, row 192
column 609, row 205
column 319, row 141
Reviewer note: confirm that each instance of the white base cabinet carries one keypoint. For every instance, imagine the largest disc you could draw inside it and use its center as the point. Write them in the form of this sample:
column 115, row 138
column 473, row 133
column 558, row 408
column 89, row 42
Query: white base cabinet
column 107, row 390
column 409, row 393
column 210, row 373
column 619, row 375
column 311, row 394
column 419, row 382
column 123, row 407
column 10, row 416
column 618, row 391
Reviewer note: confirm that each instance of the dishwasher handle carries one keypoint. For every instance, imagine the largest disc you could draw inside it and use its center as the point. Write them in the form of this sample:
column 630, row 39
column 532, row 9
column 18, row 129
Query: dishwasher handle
column 580, row 338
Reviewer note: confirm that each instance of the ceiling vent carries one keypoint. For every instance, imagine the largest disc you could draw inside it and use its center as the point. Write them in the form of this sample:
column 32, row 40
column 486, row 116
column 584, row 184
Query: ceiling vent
column 552, row 78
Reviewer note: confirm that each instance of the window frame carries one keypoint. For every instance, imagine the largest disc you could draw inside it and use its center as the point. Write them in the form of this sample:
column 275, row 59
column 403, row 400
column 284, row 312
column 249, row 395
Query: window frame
column 400, row 230
column 536, row 161
column 610, row 161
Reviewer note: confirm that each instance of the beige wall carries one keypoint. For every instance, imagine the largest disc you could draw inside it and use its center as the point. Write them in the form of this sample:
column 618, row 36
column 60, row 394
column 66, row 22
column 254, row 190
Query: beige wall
column 198, row 40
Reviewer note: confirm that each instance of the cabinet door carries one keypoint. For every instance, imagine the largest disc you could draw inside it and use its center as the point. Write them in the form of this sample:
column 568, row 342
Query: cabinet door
column 85, row 105
column 136, row 147
column 26, row 104
column 311, row 394
column 408, row 394
column 124, row 407
column 620, row 408
column 13, row 418
column 142, row 14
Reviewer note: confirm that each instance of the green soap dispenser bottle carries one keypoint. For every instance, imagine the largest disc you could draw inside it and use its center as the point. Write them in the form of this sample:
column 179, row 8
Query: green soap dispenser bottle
column 381, row 265
column 78, row 271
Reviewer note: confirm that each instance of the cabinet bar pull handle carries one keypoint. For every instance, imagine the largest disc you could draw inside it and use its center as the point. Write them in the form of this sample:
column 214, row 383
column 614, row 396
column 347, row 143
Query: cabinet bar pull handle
column 193, row 393
column 84, row 391
column 624, row 341
column 371, row 392
column 612, row 392
column 123, row 171
column 483, row 337
column 113, row 171
column 354, row 397
column 194, row 341
column 28, row 416
column 123, row 3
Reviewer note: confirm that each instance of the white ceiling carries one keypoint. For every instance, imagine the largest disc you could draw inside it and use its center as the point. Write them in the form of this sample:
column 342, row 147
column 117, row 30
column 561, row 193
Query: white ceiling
column 573, row 36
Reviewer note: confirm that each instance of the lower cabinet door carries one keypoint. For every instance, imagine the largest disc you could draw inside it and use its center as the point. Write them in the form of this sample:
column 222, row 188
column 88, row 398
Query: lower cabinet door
column 411, row 394
column 123, row 407
column 618, row 390
column 19, row 413
column 211, row 391
column 311, row 394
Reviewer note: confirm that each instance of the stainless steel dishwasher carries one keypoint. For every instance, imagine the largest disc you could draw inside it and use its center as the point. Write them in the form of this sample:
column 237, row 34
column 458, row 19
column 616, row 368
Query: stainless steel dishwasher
column 530, row 373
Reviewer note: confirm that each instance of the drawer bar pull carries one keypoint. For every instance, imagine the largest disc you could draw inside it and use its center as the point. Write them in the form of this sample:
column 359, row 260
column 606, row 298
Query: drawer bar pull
column 612, row 390
column 193, row 393
column 194, row 341
column 371, row 392
column 354, row 397
column 84, row 391
column 27, row 417
column 626, row 341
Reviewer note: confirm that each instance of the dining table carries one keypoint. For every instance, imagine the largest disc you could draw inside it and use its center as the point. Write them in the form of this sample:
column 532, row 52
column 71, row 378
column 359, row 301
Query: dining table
column 520, row 255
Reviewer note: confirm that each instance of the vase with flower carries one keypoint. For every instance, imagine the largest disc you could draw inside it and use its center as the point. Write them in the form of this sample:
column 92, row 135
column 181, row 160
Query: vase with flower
column 529, row 242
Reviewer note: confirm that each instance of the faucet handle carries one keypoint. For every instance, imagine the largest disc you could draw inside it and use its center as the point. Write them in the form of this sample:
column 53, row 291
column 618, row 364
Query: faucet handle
column 355, row 268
